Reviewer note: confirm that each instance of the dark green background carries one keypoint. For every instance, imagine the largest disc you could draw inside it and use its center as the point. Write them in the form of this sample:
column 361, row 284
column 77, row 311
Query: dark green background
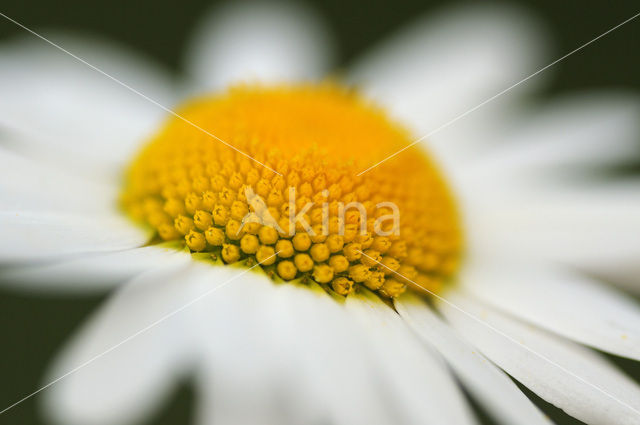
column 33, row 328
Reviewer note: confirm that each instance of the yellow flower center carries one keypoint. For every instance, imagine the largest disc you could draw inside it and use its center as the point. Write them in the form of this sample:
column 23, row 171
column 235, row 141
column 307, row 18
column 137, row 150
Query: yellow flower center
column 289, row 197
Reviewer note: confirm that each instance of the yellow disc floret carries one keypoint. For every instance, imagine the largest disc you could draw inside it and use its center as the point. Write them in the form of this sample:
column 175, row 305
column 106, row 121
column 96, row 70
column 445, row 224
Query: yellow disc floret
column 283, row 190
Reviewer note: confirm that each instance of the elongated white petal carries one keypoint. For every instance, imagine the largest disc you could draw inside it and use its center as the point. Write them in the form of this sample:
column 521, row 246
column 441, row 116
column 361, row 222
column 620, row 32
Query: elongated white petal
column 570, row 376
column 312, row 364
column 593, row 228
column 124, row 362
column 29, row 236
column 28, row 184
column 417, row 378
column 623, row 273
column 497, row 393
column 445, row 64
column 258, row 42
column 566, row 303
column 67, row 111
column 88, row 273
column 239, row 360
column 588, row 129
column 323, row 335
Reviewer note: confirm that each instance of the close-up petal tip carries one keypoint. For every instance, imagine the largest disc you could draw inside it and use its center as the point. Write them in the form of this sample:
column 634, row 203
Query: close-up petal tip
column 258, row 42
column 443, row 64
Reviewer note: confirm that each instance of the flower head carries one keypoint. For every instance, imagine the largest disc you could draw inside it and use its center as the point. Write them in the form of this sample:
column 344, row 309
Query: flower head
column 289, row 195
column 309, row 181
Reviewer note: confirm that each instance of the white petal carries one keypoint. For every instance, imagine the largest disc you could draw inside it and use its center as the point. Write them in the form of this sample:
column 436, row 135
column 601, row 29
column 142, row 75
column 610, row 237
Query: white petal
column 566, row 303
column 88, row 273
column 623, row 273
column 587, row 129
column 497, row 392
column 320, row 334
column 291, row 353
column 34, row 185
column 571, row 377
column 238, row 357
column 445, row 64
column 30, row 236
column 258, row 42
column 592, row 228
column 124, row 362
column 68, row 111
column 416, row 377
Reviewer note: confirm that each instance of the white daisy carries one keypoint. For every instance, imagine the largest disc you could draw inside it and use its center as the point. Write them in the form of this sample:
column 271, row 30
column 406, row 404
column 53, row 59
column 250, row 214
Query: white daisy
column 533, row 229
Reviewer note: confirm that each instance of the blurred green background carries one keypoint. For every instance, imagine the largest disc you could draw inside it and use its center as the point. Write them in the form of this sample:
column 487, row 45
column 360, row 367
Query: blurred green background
column 33, row 328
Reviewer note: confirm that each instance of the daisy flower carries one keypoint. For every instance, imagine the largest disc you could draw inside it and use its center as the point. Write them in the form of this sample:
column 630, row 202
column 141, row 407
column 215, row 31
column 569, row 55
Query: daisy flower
column 257, row 250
